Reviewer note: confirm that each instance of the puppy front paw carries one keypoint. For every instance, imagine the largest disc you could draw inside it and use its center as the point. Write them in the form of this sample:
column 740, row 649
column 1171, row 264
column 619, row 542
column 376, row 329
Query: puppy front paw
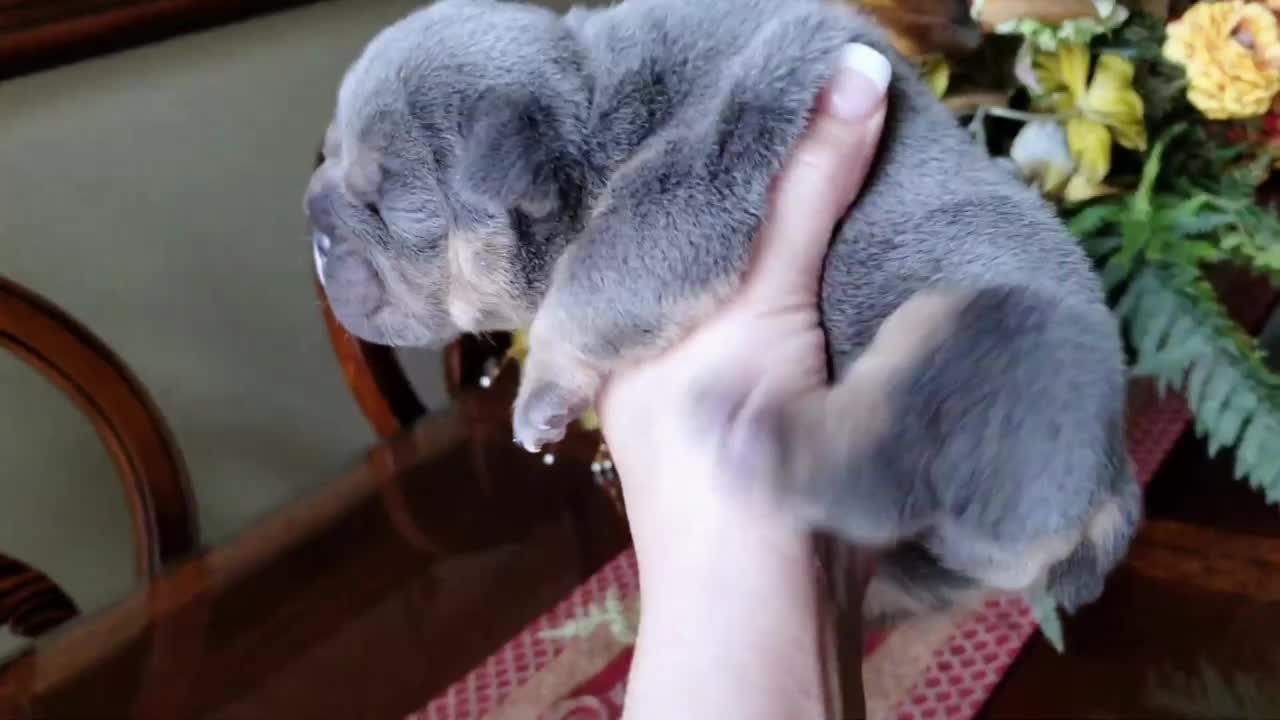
column 543, row 413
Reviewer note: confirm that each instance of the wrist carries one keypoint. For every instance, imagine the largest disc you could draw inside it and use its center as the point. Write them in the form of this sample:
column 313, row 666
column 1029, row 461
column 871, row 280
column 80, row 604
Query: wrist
column 687, row 517
column 738, row 636
column 738, row 553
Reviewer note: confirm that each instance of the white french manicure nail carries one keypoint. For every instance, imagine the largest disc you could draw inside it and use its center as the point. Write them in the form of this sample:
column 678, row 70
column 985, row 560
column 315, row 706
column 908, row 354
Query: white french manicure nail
column 860, row 82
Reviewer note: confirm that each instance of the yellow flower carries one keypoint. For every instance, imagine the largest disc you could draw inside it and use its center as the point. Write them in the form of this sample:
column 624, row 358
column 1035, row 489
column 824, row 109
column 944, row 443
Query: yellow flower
column 1042, row 152
column 1097, row 108
column 589, row 420
column 1091, row 149
column 937, row 73
column 519, row 345
column 1107, row 98
column 1231, row 53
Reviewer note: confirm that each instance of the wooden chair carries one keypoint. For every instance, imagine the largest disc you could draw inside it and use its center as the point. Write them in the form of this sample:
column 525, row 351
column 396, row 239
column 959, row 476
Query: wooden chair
column 146, row 458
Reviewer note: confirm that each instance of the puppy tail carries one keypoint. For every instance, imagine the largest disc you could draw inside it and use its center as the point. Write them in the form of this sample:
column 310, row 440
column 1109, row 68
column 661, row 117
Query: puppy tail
column 1078, row 579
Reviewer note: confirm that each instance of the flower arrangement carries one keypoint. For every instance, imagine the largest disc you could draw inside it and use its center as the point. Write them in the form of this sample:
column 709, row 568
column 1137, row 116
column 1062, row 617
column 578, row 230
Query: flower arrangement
column 1153, row 125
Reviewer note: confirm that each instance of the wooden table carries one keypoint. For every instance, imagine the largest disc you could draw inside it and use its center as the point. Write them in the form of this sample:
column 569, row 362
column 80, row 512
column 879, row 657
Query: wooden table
column 1189, row 626
column 361, row 601
column 368, row 598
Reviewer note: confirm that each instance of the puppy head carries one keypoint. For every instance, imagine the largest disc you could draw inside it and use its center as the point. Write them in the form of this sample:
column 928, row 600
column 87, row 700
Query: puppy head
column 451, row 174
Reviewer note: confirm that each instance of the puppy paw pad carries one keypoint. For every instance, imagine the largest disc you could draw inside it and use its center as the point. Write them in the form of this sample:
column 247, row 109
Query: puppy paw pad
column 542, row 417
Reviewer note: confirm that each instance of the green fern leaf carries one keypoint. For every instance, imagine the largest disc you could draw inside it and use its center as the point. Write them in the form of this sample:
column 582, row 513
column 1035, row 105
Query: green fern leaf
column 1197, row 381
column 1193, row 209
column 1271, row 491
column 1265, row 475
column 1240, row 407
column 1088, row 220
column 1184, row 337
column 1216, row 393
column 1114, row 273
column 1045, row 611
column 1203, row 223
column 1159, row 313
column 1183, row 327
column 1141, row 198
column 1251, row 450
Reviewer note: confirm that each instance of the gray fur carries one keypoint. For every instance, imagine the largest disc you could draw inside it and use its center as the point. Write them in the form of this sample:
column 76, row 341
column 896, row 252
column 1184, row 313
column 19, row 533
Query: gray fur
column 600, row 176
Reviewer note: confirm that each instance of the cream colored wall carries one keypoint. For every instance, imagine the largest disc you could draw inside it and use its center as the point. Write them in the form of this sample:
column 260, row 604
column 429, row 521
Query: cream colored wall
column 156, row 195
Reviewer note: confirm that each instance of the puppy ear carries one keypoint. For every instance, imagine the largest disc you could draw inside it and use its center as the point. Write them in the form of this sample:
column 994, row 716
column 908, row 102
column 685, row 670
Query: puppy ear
column 511, row 150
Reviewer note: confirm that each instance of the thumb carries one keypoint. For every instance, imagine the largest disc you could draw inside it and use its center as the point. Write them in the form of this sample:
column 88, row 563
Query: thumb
column 821, row 178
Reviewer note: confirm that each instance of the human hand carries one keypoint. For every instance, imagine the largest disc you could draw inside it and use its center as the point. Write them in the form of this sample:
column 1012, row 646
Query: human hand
column 731, row 618
column 763, row 346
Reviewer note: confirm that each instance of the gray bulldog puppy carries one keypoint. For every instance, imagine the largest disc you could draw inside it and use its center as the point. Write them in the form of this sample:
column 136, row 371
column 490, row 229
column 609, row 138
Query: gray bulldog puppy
column 598, row 177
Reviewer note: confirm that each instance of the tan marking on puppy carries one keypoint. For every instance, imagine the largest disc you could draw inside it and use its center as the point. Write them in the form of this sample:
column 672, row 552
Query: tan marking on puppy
column 886, row 599
column 362, row 175
column 553, row 324
column 1106, row 522
column 887, row 603
column 332, row 141
column 1034, row 563
column 482, row 292
column 402, row 318
column 1029, row 565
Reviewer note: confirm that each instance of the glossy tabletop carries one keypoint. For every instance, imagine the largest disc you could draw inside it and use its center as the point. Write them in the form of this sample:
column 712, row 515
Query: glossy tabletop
column 361, row 601
column 370, row 597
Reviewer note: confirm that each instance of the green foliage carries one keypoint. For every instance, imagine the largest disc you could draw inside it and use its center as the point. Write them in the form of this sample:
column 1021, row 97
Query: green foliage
column 1183, row 337
column 1161, row 84
column 1153, row 247
column 1226, row 177
column 1045, row 610
column 1186, row 206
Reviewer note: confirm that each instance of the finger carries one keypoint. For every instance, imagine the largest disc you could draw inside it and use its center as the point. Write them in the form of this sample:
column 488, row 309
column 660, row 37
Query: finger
column 822, row 176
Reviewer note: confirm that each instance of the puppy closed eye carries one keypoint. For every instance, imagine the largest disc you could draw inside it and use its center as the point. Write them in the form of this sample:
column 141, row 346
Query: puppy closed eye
column 376, row 213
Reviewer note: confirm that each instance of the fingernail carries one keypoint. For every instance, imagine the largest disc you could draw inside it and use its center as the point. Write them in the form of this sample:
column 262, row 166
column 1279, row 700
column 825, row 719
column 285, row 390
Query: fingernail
column 861, row 79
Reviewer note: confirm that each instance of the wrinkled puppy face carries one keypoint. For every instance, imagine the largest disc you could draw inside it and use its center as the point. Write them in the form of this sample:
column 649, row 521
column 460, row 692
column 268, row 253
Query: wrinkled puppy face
column 447, row 186
column 401, row 261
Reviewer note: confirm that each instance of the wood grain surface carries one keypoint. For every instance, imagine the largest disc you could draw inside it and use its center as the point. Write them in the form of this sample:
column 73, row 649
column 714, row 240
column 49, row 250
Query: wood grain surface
column 38, row 34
